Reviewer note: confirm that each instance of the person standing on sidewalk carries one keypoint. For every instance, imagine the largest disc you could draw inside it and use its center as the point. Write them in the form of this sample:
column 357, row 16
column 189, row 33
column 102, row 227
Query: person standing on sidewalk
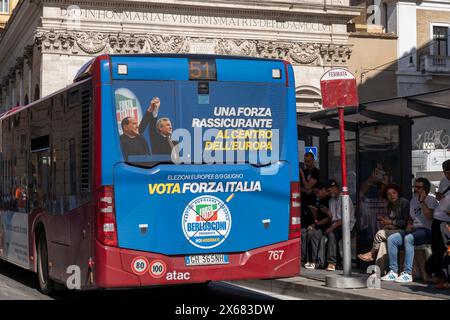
column 334, row 232
column 315, row 249
column 445, row 232
column 434, row 263
column 395, row 221
column 444, row 184
column 309, row 177
column 418, row 232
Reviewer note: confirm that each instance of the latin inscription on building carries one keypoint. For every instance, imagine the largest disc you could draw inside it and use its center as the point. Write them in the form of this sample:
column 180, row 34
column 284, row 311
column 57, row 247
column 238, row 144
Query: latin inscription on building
column 191, row 20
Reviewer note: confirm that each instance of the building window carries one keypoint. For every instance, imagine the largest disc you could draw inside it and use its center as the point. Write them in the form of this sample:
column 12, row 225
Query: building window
column 4, row 6
column 309, row 99
column 440, row 41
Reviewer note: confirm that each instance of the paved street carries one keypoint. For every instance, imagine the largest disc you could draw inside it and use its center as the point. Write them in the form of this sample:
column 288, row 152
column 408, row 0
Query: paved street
column 19, row 284
column 172, row 141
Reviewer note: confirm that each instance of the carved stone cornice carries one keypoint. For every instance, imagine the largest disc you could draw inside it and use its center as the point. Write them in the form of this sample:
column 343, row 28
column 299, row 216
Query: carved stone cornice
column 167, row 43
column 93, row 43
column 12, row 75
column 4, row 82
column 120, row 43
column 28, row 55
column 56, row 41
column 19, row 65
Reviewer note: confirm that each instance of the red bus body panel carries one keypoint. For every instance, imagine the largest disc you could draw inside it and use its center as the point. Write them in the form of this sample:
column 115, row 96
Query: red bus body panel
column 113, row 267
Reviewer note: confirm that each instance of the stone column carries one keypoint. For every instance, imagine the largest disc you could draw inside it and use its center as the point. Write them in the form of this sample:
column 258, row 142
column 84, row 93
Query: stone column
column 3, row 93
column 12, row 87
column 28, row 59
column 19, row 78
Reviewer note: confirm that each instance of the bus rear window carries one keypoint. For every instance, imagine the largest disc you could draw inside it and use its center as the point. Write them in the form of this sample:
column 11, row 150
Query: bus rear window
column 176, row 122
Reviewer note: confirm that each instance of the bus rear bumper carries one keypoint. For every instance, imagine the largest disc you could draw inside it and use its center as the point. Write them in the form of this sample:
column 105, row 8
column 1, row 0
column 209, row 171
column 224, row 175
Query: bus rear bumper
column 123, row 268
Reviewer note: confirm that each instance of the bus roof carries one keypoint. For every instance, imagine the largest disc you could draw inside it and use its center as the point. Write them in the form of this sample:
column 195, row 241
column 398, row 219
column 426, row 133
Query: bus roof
column 85, row 70
column 17, row 109
column 194, row 56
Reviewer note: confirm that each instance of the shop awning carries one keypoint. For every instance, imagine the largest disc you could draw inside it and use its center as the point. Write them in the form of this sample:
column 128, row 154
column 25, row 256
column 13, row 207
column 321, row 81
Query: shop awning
column 395, row 110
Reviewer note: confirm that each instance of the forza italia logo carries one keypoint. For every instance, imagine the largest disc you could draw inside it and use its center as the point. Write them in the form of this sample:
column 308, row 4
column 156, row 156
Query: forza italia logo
column 206, row 222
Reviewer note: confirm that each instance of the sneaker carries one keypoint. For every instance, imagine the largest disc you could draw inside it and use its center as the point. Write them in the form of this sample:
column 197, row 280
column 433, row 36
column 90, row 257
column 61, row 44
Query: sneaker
column 331, row 267
column 310, row 265
column 391, row 276
column 404, row 277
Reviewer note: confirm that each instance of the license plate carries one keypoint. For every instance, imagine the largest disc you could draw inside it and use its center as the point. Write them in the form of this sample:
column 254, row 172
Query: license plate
column 206, row 259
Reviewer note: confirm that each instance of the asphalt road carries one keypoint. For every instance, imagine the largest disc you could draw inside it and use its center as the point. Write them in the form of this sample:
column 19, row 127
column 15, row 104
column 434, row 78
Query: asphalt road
column 19, row 284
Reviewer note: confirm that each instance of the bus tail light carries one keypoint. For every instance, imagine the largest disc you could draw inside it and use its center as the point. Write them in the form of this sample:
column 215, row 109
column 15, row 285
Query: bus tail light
column 294, row 217
column 106, row 217
column 287, row 64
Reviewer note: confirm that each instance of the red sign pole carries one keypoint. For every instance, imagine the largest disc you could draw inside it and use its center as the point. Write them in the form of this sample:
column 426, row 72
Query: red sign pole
column 343, row 152
column 345, row 201
column 339, row 90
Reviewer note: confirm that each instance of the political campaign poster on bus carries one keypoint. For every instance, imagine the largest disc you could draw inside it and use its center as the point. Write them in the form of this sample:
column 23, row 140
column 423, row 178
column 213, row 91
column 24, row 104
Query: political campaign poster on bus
column 171, row 122
column 242, row 124
column 14, row 237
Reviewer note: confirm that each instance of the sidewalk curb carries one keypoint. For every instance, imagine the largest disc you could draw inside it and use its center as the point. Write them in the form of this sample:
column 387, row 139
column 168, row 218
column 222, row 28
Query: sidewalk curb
column 310, row 289
column 301, row 290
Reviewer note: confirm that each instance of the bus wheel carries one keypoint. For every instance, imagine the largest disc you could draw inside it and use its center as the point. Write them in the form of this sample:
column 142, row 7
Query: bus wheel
column 46, row 285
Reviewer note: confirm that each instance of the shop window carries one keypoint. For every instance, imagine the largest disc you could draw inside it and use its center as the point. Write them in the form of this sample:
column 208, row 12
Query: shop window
column 430, row 147
column 378, row 166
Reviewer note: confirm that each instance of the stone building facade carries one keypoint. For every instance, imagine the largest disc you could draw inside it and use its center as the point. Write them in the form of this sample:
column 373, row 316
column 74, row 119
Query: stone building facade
column 423, row 49
column 400, row 48
column 47, row 41
column 373, row 60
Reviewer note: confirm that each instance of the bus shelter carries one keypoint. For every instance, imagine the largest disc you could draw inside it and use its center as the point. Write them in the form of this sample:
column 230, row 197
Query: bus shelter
column 388, row 141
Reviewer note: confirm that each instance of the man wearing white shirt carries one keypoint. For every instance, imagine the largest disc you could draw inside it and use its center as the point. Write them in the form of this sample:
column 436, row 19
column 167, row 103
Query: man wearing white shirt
column 334, row 232
column 434, row 264
column 444, row 282
column 417, row 233
column 444, row 184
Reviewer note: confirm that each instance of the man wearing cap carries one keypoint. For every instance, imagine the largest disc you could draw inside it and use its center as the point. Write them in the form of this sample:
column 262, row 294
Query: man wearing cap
column 334, row 232
column 309, row 176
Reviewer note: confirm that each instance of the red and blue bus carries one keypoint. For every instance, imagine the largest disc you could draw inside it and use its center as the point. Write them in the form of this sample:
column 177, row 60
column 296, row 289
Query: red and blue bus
column 119, row 175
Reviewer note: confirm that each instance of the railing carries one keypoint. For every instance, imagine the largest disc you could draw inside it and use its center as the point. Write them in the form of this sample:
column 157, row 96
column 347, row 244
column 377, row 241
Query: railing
column 435, row 64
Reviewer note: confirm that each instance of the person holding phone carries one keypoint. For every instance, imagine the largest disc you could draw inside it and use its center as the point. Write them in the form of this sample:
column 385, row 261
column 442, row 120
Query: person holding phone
column 394, row 221
column 416, row 233
column 315, row 250
column 309, row 176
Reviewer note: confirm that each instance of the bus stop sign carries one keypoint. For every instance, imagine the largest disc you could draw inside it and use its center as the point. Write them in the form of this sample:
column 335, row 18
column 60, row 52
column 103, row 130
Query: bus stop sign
column 339, row 89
